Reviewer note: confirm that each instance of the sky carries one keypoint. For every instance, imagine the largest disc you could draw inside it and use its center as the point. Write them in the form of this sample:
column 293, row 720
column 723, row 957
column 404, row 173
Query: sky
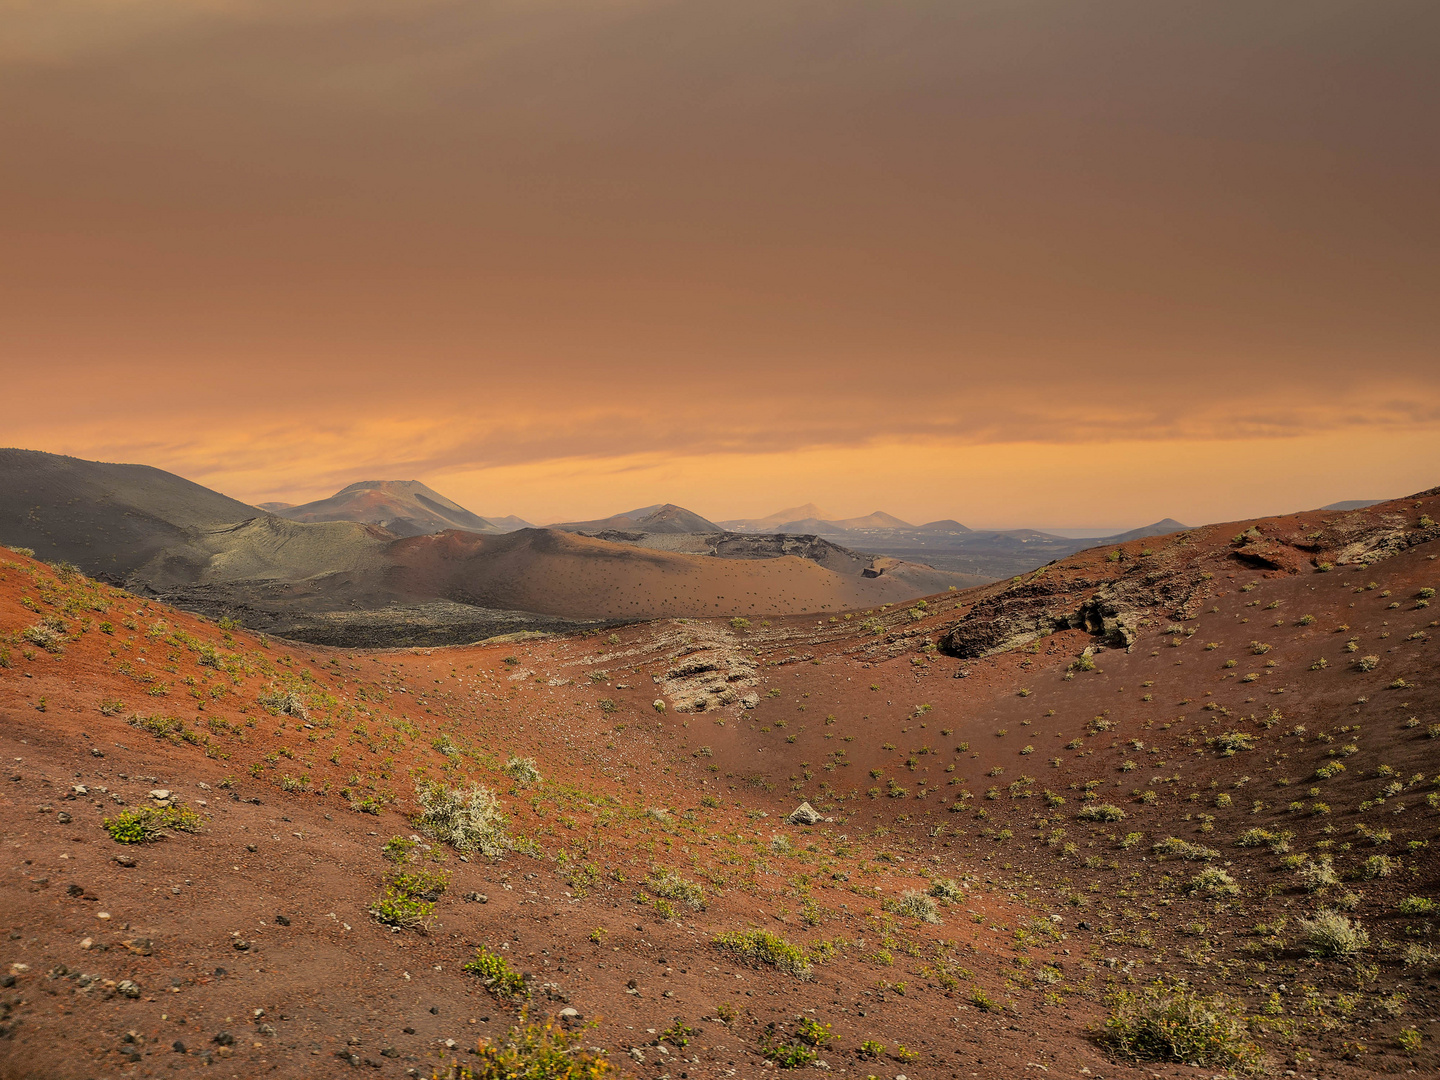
column 1018, row 262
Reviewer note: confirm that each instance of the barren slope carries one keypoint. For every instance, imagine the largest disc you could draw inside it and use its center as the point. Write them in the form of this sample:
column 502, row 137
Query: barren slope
column 1207, row 720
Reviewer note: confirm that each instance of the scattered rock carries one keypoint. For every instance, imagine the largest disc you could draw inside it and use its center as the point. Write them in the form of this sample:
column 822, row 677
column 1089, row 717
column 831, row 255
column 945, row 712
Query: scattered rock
column 178, row 1046
column 224, row 1038
column 281, row 920
column 125, row 860
column 804, row 814
column 95, row 751
column 63, row 818
column 476, row 898
column 128, row 988
column 160, row 794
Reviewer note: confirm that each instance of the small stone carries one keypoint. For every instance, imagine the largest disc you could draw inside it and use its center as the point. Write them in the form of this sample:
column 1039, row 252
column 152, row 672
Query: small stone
column 95, row 751
column 281, row 920
column 390, row 1052
column 178, row 1046
column 160, row 794
column 128, row 988
column 63, row 818
column 242, row 946
column 569, row 1014
column 224, row 1038
column 476, row 898
column 102, row 914
column 87, row 943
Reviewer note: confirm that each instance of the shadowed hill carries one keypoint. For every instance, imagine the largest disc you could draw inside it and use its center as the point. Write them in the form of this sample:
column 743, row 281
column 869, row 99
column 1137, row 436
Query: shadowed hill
column 109, row 519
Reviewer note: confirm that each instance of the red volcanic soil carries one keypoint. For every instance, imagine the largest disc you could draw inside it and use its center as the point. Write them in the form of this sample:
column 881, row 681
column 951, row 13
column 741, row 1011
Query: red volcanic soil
column 558, row 573
column 252, row 952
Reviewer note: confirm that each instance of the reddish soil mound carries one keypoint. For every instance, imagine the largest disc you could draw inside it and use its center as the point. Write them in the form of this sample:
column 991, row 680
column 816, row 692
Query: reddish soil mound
column 559, row 573
column 1264, row 706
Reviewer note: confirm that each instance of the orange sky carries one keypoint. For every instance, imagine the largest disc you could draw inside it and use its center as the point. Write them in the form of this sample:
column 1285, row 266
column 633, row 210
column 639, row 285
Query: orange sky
column 1025, row 263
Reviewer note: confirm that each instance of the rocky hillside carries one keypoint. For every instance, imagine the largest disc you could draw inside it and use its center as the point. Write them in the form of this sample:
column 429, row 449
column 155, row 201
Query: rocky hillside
column 1183, row 787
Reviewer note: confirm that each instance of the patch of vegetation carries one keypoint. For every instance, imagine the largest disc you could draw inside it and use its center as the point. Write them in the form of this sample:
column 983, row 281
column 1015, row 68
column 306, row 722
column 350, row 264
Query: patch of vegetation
column 761, row 948
column 671, row 886
column 1173, row 1023
column 534, row 1052
column 1101, row 812
column 946, row 889
column 522, row 770
column 915, row 904
column 1212, row 882
column 466, row 819
column 1184, row 849
column 1330, row 934
column 146, row 824
column 499, row 978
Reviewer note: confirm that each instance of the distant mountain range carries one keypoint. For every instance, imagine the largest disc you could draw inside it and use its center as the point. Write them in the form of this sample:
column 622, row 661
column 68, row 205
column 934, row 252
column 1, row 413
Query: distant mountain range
column 946, row 544
column 660, row 518
column 396, row 563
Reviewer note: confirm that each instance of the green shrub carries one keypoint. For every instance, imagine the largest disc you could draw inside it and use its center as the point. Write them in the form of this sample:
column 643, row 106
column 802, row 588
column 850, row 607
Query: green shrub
column 761, row 948
column 946, row 889
column 1212, row 881
column 286, row 702
column 915, row 904
column 467, row 820
column 1184, row 849
column 1331, row 934
column 1418, row 905
column 812, row 1031
column 1173, row 1023
column 1379, row 866
column 522, row 770
column 1229, row 742
column 534, row 1052
column 671, row 886
column 398, row 848
column 498, row 976
column 145, row 824
column 1101, row 812
column 49, row 634
column 404, row 912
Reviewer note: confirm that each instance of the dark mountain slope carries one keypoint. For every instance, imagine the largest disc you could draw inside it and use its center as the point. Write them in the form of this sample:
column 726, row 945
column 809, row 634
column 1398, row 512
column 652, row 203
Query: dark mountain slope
column 105, row 518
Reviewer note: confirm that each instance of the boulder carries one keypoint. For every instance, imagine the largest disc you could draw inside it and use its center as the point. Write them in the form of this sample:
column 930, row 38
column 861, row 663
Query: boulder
column 804, row 814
